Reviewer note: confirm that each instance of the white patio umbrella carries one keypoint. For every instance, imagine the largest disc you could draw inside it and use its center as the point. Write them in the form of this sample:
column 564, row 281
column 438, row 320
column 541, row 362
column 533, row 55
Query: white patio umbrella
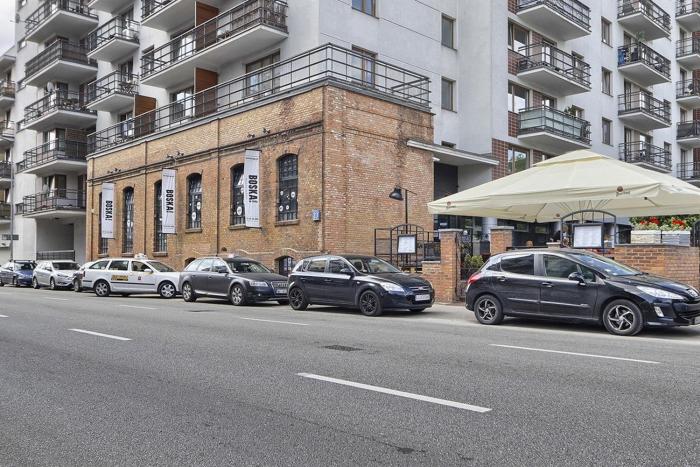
column 578, row 180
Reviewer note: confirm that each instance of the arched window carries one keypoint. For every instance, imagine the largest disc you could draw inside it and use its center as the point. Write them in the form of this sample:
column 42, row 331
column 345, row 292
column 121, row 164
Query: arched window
column 237, row 198
column 287, row 181
column 194, row 201
column 285, row 264
column 102, row 245
column 160, row 240
column 128, row 221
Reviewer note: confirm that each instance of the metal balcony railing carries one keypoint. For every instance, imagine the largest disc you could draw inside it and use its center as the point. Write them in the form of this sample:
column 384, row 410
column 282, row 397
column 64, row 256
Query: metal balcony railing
column 642, row 101
column 53, row 200
column 55, row 255
column 328, row 63
column 639, row 152
column 113, row 83
column 60, row 49
column 56, row 149
column 688, row 88
column 7, row 129
column 5, row 169
column 641, row 53
column 685, row 7
column 688, row 170
column 271, row 13
column 550, row 120
column 572, row 10
column 116, row 28
column 5, row 211
column 50, row 7
column 646, row 7
column 546, row 56
column 689, row 129
column 7, row 88
column 54, row 101
column 688, row 46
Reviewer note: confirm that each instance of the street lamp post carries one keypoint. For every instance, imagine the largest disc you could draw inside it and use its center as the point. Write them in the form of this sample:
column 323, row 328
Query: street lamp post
column 401, row 194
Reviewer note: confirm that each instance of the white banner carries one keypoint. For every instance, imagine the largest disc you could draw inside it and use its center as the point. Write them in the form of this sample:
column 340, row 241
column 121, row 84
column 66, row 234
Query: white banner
column 251, row 189
column 167, row 205
column 107, row 211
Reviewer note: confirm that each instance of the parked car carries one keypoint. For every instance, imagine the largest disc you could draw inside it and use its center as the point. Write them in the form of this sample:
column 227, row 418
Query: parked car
column 78, row 277
column 577, row 285
column 128, row 276
column 18, row 272
column 54, row 274
column 241, row 280
column 357, row 281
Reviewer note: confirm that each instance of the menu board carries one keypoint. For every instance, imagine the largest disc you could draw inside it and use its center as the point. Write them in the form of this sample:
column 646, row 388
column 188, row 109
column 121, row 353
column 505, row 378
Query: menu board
column 588, row 235
column 407, row 244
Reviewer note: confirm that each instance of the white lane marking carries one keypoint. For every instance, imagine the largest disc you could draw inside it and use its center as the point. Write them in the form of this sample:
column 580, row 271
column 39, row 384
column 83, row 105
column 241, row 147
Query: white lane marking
column 273, row 321
column 393, row 392
column 138, row 307
column 3, row 316
column 61, row 299
column 576, row 354
column 93, row 333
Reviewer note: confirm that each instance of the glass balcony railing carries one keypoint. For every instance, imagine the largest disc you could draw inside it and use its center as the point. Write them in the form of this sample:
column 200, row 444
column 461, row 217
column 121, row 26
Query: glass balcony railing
column 55, row 101
column 50, row 7
column 553, row 121
column 648, row 8
column 543, row 55
column 113, row 83
column 54, row 150
column 641, row 53
column 116, row 28
column 644, row 102
column 639, row 152
column 60, row 49
column 572, row 10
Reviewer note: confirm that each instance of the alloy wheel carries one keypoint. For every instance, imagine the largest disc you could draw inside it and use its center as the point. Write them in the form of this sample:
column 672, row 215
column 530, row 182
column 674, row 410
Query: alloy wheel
column 236, row 295
column 76, row 286
column 368, row 303
column 621, row 318
column 487, row 309
column 52, row 284
column 101, row 289
column 296, row 297
column 35, row 283
column 187, row 291
column 167, row 290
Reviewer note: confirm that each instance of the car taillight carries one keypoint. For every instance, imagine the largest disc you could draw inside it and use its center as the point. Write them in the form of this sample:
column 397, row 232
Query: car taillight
column 474, row 277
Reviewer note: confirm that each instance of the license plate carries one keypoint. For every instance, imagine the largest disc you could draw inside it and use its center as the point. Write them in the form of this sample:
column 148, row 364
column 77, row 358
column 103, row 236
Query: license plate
column 696, row 320
column 423, row 298
column 281, row 291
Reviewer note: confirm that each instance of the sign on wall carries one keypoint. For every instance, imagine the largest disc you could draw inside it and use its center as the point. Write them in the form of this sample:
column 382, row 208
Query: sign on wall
column 588, row 235
column 251, row 187
column 107, row 211
column 167, row 206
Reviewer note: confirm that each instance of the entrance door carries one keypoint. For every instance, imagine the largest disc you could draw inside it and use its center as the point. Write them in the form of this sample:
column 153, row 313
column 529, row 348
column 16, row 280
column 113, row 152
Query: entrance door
column 560, row 296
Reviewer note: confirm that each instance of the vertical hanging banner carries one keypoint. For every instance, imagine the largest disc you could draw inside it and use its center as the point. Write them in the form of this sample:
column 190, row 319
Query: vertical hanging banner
column 167, row 204
column 251, row 188
column 107, row 211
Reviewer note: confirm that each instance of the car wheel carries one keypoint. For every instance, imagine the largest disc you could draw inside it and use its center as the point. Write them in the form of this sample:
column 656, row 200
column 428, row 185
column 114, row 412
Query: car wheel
column 623, row 318
column 52, row 284
column 188, row 294
column 2, row 284
column 14, row 282
column 76, row 286
column 297, row 299
column 237, row 295
column 370, row 304
column 283, row 302
column 101, row 289
column 166, row 290
column 35, row 283
column 124, row 294
column 487, row 310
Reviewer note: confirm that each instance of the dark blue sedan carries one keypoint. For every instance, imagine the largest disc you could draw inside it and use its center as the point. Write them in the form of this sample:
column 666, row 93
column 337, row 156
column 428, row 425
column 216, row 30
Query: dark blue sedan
column 18, row 273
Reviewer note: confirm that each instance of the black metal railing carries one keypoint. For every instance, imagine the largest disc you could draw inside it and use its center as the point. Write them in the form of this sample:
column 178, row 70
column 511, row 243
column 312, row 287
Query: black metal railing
column 5, row 169
column 49, row 7
column 641, row 53
column 60, row 49
column 688, row 46
column 550, row 120
column 572, row 10
column 271, row 13
column 689, row 129
column 54, row 200
column 639, row 152
column 329, row 63
column 55, row 255
column 54, row 101
column 688, row 88
column 543, row 55
column 7, row 88
column 54, row 150
column 642, row 101
column 686, row 7
column 113, row 83
column 116, row 28
column 688, row 170
column 5, row 211
column 7, row 129
column 648, row 8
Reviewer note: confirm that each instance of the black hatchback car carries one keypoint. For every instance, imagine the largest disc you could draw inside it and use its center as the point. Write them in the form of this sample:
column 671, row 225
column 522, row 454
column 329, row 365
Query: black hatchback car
column 578, row 285
column 363, row 282
column 241, row 280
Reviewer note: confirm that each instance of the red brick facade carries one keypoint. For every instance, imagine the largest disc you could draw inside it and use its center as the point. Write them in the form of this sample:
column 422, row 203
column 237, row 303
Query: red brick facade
column 499, row 150
column 445, row 274
column 680, row 263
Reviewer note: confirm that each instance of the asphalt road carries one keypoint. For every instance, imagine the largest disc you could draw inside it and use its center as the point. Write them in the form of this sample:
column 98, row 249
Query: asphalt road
column 206, row 383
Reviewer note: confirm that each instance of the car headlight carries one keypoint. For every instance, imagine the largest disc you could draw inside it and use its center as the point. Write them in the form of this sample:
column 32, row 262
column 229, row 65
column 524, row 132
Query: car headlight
column 391, row 287
column 258, row 284
column 659, row 293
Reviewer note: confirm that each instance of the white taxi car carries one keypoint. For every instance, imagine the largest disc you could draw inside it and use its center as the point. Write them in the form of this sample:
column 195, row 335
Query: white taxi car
column 128, row 276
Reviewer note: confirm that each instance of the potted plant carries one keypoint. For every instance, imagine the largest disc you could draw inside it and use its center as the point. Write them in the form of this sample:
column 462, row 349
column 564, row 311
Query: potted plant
column 668, row 230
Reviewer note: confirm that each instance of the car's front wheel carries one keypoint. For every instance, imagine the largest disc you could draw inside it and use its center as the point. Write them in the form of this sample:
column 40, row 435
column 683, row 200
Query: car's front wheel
column 35, row 283
column 52, row 284
column 623, row 318
column 188, row 294
column 166, row 290
column 297, row 299
column 237, row 295
column 370, row 304
column 101, row 289
column 487, row 310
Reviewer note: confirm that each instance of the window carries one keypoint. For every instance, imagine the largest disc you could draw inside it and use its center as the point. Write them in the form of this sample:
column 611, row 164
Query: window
column 147, row 61
column 102, row 248
column 288, row 179
column 160, row 240
column 285, row 264
column 119, row 265
column 606, row 78
column 518, row 98
column 517, row 37
column 519, row 264
column 128, row 221
column 194, row 201
column 336, row 265
column 517, row 159
column 606, row 131
column 181, row 104
column 667, row 147
column 448, row 94
column 365, row 6
column 205, row 265
column 138, row 266
column 448, row 31
column 237, row 198
column 193, row 265
column 605, row 31
column 548, row 101
column 100, row 265
column 264, row 81
column 316, row 265
column 21, row 44
column 561, row 268
column 362, row 63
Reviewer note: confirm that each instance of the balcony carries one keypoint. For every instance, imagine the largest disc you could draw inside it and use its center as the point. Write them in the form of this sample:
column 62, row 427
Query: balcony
column 65, row 18
column 688, row 52
column 111, row 93
column 689, row 172
column 61, row 61
column 7, row 134
column 646, row 155
column 642, row 111
column 688, row 134
column 7, row 60
column 643, row 65
column 688, row 14
column 109, row 6
column 7, row 94
column 562, row 19
column 55, row 204
column 55, row 156
column 5, row 174
column 552, row 130
column 253, row 25
column 5, row 213
column 644, row 18
column 325, row 64
column 113, row 40
column 688, row 93
column 58, row 109
column 553, row 71
column 168, row 15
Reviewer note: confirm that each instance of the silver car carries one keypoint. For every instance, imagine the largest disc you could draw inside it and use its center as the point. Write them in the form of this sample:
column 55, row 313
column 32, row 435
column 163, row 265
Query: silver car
column 54, row 274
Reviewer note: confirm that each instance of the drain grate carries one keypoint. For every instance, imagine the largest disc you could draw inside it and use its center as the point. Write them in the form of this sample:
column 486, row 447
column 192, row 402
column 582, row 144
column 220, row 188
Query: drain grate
column 342, row 348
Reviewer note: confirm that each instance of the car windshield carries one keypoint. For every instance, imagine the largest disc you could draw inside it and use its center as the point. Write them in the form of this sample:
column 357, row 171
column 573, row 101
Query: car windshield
column 160, row 267
column 605, row 265
column 25, row 266
column 246, row 266
column 370, row 265
column 65, row 266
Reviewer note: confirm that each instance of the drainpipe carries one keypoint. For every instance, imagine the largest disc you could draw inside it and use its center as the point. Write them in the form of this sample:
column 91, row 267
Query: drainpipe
column 12, row 210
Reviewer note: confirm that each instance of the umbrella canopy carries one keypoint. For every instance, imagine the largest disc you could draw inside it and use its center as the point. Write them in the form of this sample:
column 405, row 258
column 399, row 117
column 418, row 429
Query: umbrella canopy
column 578, row 180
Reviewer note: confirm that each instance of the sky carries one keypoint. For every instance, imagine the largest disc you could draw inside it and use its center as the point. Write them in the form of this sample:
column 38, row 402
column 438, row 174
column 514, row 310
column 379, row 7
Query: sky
column 7, row 25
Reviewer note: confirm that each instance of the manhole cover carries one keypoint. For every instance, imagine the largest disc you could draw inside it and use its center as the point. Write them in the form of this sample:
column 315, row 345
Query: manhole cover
column 343, row 348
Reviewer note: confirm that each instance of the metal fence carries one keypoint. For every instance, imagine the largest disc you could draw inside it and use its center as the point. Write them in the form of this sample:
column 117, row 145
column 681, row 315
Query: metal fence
column 5, row 169
column 688, row 129
column 573, row 10
column 643, row 101
column 387, row 245
column 641, row 53
column 7, row 129
column 685, row 7
column 48, row 8
column 551, row 120
column 7, row 88
column 688, row 170
column 55, row 255
column 648, row 8
column 56, row 100
column 116, row 28
column 53, row 200
column 687, row 88
column 644, row 153
column 56, row 149
column 60, row 49
column 113, row 83
column 544, row 55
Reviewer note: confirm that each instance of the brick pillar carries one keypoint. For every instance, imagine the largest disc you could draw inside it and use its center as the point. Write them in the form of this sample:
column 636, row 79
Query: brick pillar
column 501, row 239
column 445, row 273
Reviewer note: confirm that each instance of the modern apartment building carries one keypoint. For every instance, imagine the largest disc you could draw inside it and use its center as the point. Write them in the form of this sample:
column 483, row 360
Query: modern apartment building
column 511, row 82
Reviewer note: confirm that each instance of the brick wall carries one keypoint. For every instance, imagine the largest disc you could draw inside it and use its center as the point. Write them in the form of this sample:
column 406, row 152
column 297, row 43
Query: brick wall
column 499, row 150
column 680, row 263
column 513, row 60
column 501, row 239
column 513, row 6
column 445, row 274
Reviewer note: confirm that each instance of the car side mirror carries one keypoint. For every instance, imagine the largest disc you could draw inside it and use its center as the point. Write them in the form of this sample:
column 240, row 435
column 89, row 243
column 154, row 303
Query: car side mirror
column 221, row 270
column 347, row 271
column 578, row 277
